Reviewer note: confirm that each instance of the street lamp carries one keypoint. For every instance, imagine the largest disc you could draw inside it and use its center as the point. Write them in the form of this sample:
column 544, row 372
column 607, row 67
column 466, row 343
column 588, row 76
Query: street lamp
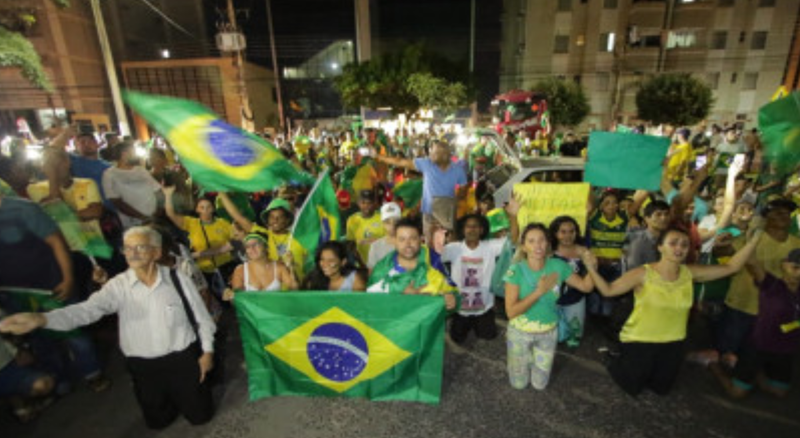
column 165, row 53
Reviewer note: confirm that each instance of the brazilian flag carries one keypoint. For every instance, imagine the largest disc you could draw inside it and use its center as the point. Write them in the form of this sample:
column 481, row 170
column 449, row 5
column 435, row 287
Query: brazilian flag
column 318, row 221
column 376, row 346
column 779, row 122
column 219, row 156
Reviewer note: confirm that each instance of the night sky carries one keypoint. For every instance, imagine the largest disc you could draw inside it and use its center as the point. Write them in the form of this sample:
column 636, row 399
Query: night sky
column 304, row 27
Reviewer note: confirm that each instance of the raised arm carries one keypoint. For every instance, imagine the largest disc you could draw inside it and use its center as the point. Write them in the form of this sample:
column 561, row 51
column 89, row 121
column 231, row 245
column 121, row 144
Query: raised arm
column 702, row 273
column 234, row 212
column 512, row 209
column 169, row 207
column 397, row 162
column 629, row 281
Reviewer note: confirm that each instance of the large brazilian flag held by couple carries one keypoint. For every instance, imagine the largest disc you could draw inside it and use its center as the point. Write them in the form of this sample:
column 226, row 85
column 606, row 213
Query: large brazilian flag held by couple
column 377, row 346
column 219, row 157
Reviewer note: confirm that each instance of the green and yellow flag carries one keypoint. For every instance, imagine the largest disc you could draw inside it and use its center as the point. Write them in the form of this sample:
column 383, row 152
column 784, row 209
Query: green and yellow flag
column 81, row 236
column 376, row 346
column 219, row 157
column 410, row 191
column 318, row 221
column 779, row 122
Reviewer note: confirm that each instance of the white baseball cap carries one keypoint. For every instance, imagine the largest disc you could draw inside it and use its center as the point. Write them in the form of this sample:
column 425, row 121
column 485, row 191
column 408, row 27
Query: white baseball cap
column 390, row 210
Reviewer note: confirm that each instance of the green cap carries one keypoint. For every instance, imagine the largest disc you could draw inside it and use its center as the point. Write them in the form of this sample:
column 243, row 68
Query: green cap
column 276, row 204
column 498, row 220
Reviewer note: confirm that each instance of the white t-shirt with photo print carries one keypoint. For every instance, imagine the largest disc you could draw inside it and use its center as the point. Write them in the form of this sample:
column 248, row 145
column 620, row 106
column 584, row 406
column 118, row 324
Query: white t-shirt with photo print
column 471, row 270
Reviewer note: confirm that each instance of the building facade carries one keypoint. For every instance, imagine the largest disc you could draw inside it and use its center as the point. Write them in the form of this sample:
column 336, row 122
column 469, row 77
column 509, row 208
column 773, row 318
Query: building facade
column 741, row 48
column 66, row 40
column 210, row 81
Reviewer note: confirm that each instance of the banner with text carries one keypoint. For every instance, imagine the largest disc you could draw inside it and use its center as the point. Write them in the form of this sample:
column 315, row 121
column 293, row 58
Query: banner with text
column 543, row 202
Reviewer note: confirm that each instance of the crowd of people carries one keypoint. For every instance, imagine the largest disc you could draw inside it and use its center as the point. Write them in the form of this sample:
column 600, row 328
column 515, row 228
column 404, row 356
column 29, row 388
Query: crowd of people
column 718, row 242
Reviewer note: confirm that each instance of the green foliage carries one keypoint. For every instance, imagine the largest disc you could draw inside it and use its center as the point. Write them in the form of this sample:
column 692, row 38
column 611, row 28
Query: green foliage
column 384, row 81
column 436, row 93
column 677, row 99
column 566, row 101
column 17, row 51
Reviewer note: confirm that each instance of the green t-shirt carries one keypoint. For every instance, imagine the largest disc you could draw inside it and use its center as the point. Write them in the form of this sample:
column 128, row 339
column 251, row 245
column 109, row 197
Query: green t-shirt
column 542, row 315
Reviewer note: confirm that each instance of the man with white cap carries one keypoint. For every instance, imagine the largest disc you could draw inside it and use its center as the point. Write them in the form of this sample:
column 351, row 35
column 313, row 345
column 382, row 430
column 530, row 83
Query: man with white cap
column 390, row 214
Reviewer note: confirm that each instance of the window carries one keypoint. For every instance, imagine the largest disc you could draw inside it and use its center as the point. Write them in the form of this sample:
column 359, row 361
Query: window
column 712, row 79
column 742, row 36
column 766, row 3
column 609, row 4
column 718, row 39
column 733, row 78
column 726, row 2
column 564, row 5
column 606, row 43
column 561, row 44
column 759, row 41
column 601, row 81
column 681, row 39
column 750, row 81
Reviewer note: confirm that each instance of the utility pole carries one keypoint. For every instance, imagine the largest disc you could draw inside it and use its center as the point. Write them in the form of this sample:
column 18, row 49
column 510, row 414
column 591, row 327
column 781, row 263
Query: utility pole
column 246, row 112
column 363, row 39
column 474, row 104
column 111, row 71
column 275, row 71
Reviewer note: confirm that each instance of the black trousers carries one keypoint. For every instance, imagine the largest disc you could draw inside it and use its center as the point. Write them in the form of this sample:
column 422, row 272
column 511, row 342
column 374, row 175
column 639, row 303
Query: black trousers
column 484, row 326
column 170, row 385
column 643, row 365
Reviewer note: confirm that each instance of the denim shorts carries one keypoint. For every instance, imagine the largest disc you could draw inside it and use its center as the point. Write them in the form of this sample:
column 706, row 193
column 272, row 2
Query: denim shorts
column 18, row 381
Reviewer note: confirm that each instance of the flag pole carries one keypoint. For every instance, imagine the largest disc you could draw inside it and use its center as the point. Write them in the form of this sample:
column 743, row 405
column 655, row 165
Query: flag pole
column 305, row 204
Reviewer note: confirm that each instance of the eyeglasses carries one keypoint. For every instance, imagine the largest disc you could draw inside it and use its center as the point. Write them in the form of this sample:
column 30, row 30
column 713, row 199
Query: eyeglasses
column 136, row 249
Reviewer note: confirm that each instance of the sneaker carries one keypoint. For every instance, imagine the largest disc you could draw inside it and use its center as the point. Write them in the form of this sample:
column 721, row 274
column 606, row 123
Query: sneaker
column 703, row 357
column 99, row 383
column 31, row 409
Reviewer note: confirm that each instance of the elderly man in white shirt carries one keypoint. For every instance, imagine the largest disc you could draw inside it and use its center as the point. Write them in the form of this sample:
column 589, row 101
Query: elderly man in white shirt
column 160, row 343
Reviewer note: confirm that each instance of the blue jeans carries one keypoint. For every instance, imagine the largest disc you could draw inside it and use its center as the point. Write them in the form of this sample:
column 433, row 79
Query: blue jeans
column 733, row 330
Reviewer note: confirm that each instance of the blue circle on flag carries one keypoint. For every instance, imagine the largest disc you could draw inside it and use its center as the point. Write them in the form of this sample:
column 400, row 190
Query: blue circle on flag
column 337, row 351
column 230, row 145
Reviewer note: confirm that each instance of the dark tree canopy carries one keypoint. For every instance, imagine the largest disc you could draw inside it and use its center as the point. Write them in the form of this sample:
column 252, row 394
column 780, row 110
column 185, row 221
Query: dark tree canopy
column 566, row 101
column 677, row 99
column 384, row 81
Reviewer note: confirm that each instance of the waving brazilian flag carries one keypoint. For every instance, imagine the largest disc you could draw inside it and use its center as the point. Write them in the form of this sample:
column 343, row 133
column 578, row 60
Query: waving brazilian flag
column 377, row 346
column 318, row 221
column 216, row 154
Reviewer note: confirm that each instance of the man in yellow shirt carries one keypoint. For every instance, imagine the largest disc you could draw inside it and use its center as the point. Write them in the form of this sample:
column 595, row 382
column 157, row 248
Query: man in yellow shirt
column 741, row 303
column 366, row 226
column 679, row 156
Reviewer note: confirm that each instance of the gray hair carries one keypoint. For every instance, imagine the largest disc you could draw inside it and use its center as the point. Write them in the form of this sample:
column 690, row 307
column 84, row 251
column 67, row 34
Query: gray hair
column 152, row 235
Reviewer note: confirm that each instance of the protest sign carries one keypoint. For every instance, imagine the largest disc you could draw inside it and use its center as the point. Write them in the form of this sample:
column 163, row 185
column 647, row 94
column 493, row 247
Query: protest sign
column 625, row 161
column 543, row 202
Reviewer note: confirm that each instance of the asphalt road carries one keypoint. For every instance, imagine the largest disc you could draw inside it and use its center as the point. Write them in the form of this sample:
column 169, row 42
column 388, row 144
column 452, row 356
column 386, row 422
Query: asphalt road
column 581, row 401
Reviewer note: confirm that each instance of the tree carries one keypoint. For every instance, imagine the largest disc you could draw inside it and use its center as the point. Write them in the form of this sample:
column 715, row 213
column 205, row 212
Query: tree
column 677, row 99
column 15, row 49
column 436, row 93
column 566, row 101
column 384, row 81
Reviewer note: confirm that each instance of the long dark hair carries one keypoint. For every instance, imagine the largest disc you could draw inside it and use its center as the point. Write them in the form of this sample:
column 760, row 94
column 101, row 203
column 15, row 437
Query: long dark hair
column 556, row 225
column 317, row 280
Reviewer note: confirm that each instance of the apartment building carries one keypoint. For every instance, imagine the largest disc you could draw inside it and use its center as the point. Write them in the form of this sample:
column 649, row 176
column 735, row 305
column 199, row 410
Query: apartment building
column 741, row 48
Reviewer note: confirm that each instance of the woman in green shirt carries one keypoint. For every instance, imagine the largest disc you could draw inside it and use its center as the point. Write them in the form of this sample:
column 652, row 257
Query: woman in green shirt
column 533, row 285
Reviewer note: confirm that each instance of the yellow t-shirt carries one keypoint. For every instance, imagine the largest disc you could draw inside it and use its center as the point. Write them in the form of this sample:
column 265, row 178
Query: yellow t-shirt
column 743, row 293
column 683, row 153
column 364, row 231
column 277, row 245
column 660, row 309
column 79, row 196
column 218, row 232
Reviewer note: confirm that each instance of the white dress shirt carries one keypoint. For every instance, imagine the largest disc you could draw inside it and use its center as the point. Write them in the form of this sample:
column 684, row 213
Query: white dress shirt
column 152, row 320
